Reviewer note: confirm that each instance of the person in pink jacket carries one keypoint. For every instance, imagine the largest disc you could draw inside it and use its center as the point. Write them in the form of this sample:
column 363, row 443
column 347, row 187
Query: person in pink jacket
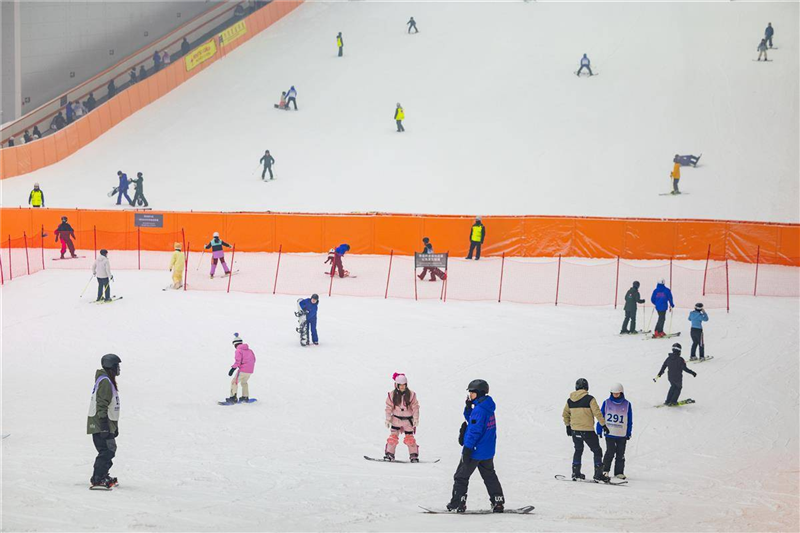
column 402, row 415
column 245, row 364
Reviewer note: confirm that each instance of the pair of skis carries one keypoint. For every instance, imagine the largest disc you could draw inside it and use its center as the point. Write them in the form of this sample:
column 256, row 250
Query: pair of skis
column 615, row 483
column 681, row 403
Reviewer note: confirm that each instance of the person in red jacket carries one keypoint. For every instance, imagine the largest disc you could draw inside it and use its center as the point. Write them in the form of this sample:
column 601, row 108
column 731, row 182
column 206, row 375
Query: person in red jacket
column 65, row 234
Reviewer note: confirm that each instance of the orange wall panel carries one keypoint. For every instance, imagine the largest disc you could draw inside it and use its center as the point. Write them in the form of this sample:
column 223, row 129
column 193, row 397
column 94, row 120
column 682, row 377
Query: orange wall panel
column 49, row 147
column 37, row 155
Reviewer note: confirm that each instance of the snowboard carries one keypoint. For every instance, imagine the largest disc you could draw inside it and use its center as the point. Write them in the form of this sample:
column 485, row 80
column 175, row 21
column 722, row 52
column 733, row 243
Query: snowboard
column 687, row 401
column 566, row 478
column 585, row 75
column 113, row 192
column 521, row 510
column 672, row 194
column 302, row 327
column 113, row 299
column 346, row 274
column 706, row 358
column 381, row 460
column 287, row 108
column 99, row 487
column 666, row 336
column 65, row 258
column 250, row 400
column 765, row 61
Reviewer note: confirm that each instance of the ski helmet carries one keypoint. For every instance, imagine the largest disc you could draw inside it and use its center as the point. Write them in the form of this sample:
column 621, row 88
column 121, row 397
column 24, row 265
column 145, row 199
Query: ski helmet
column 399, row 379
column 478, row 386
column 698, row 306
column 236, row 340
column 617, row 388
column 63, row 219
column 104, row 252
column 36, row 184
column 582, row 384
column 635, row 284
column 111, row 362
column 216, row 234
column 426, row 240
column 676, row 348
column 662, row 281
column 315, row 296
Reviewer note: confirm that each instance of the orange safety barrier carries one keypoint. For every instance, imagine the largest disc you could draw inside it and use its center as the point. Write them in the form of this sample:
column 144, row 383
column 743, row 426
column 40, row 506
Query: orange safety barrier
column 514, row 236
column 18, row 160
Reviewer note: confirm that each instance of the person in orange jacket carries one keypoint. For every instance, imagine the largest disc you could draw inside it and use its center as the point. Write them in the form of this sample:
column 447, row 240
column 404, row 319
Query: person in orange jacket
column 676, row 177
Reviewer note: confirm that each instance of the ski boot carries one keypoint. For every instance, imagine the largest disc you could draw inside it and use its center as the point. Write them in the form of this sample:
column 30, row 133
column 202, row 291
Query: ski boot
column 576, row 473
column 414, row 457
column 599, row 475
column 232, row 399
column 243, row 399
column 103, row 484
column 621, row 476
column 388, row 456
column 498, row 504
column 458, row 507
column 112, row 480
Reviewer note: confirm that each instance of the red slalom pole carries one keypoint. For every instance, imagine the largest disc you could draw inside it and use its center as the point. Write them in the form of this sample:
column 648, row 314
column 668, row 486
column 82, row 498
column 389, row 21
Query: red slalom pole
column 186, row 267
column 277, row 269
column 230, row 272
column 27, row 260
column 758, row 259
column 558, row 277
column 502, row 269
column 389, row 276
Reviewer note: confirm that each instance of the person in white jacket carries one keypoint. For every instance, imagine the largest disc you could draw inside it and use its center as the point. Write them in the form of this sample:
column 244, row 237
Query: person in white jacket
column 102, row 270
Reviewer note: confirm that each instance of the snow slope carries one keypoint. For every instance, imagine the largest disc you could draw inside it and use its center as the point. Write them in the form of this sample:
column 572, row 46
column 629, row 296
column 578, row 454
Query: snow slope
column 292, row 461
column 496, row 121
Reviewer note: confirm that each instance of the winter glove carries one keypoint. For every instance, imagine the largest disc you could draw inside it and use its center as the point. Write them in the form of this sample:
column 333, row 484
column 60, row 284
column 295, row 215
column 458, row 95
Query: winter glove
column 466, row 455
column 231, row 371
column 112, row 278
column 461, row 433
column 569, row 431
column 628, row 437
column 468, row 403
column 605, row 430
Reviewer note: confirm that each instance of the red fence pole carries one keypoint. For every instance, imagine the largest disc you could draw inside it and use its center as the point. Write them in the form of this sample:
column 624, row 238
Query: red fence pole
column 758, row 259
column 139, row 245
column 183, row 238
column 42, row 237
column 230, row 273
column 705, row 272
column 10, row 270
column 727, row 289
column 389, row 276
column 558, row 277
column 502, row 268
column 186, row 267
column 670, row 273
column 333, row 267
column 95, row 242
column 277, row 269
column 616, row 285
column 27, row 259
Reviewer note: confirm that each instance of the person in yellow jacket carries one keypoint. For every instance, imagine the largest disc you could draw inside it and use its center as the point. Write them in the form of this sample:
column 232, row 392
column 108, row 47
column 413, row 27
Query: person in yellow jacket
column 36, row 197
column 399, row 115
column 340, row 43
column 676, row 176
column 579, row 415
column 176, row 266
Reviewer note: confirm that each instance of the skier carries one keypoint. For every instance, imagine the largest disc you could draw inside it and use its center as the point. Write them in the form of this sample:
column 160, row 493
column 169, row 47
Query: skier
column 291, row 97
column 768, row 33
column 618, row 414
column 632, row 298
column 686, row 160
column 476, row 236
column 268, row 161
column 102, row 270
column 585, row 64
column 762, row 49
column 176, row 265
column 309, row 306
column 103, row 420
column 65, row 234
column 402, row 415
column 697, row 317
column 676, row 366
column 243, row 366
column 676, row 176
column 217, row 254
column 36, row 197
column 340, row 43
column 662, row 300
column 336, row 264
column 399, row 116
column 577, row 415
column 480, row 438
column 123, row 187
column 138, row 196
column 412, row 24
column 434, row 271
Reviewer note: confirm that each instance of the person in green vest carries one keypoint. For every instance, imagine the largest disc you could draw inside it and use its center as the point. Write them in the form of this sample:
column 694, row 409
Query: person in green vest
column 103, row 420
column 476, row 236
column 36, row 197
column 340, row 43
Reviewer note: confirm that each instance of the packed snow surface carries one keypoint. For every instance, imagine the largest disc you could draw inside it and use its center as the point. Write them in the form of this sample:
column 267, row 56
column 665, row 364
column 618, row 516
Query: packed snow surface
column 496, row 121
column 293, row 460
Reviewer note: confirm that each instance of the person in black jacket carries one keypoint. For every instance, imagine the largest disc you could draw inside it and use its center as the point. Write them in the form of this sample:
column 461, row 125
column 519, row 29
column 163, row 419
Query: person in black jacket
column 111, row 90
column 90, row 102
column 632, row 298
column 36, row 133
column 138, row 185
column 185, row 47
column 433, row 270
column 676, row 366
column 412, row 25
column 476, row 236
column 268, row 161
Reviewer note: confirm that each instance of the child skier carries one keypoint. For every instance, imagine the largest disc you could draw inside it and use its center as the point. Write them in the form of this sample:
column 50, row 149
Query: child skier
column 434, row 271
column 402, row 415
column 176, row 266
column 662, row 300
column 217, row 254
column 309, row 306
column 676, row 365
column 632, row 299
column 676, row 177
column 103, row 420
column 243, row 366
column 65, row 234
column 762, row 50
column 697, row 317
column 618, row 413
column 577, row 415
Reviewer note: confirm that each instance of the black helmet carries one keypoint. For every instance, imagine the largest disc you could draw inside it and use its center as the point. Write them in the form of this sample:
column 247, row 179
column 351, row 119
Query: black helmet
column 111, row 362
column 582, row 384
column 315, row 296
column 635, row 284
column 103, row 252
column 425, row 240
column 698, row 306
column 676, row 348
column 63, row 219
column 478, row 386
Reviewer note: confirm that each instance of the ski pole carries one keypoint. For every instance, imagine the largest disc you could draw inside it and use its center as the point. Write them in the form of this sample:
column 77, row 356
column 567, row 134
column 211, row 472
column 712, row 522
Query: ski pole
column 650, row 319
column 200, row 262
column 87, row 286
column 669, row 329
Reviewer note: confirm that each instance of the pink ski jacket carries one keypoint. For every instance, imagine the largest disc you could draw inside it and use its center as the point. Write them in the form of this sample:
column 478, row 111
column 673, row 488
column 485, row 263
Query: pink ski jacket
column 245, row 359
column 402, row 411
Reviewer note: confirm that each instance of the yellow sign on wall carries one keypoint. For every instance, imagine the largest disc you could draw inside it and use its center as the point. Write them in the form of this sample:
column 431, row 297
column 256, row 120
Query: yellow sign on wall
column 233, row 33
column 202, row 53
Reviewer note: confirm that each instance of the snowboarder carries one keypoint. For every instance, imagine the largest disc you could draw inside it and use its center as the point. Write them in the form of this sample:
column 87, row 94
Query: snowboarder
column 402, row 415
column 268, row 161
column 122, row 189
column 768, row 33
column 676, row 176
column 618, row 414
column 577, row 415
column 36, row 197
column 65, row 234
column 336, row 264
column 243, row 366
column 662, row 300
column 762, row 50
column 103, row 420
column 340, row 43
column 476, row 236
column 291, row 97
column 686, row 160
column 176, row 265
column 697, row 317
column 399, row 116
column 676, row 366
column 585, row 64
column 138, row 196
column 309, row 306
column 434, row 271
column 102, row 270
column 632, row 299
column 217, row 254
column 479, row 440
column 412, row 24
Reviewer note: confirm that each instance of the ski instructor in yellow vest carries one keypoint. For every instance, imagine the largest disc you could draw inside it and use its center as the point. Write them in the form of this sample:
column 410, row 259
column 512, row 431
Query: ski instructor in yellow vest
column 476, row 236
column 36, row 197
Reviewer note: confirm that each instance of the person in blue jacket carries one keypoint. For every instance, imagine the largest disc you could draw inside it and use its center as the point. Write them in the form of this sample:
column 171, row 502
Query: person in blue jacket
column 618, row 413
column 123, row 187
column 768, row 33
column 338, row 252
column 309, row 305
column 478, row 438
column 585, row 64
column 697, row 317
column 291, row 97
column 662, row 300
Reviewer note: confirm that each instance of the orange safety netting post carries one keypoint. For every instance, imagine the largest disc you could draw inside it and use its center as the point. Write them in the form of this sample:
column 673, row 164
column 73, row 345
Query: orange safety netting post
column 758, row 258
column 277, row 269
column 446, row 278
column 186, row 268
column 727, row 289
column 502, row 269
column 705, row 272
column 10, row 270
column 558, row 277
column 27, row 260
column 230, row 272
column 389, row 276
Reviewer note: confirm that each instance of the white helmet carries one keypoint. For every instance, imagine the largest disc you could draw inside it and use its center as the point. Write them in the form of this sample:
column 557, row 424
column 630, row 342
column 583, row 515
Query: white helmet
column 617, row 387
column 216, row 234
